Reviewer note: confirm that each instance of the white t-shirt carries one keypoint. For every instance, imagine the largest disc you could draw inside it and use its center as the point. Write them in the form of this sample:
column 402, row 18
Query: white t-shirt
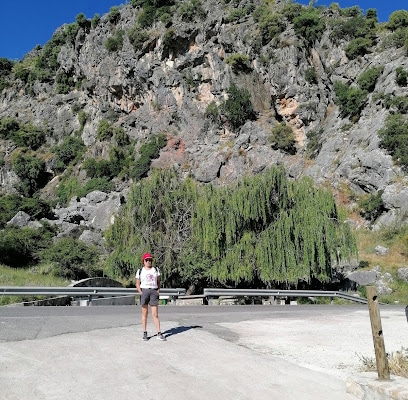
column 148, row 277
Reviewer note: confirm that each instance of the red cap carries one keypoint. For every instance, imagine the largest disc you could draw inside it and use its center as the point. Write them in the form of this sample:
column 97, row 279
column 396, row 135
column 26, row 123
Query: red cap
column 147, row 256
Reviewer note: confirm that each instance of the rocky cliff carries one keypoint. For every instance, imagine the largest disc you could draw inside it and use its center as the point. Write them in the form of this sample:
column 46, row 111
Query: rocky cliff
column 173, row 74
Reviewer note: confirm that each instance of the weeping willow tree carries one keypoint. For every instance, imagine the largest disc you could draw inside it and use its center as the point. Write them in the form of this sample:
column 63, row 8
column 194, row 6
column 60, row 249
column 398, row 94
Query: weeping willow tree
column 156, row 219
column 264, row 229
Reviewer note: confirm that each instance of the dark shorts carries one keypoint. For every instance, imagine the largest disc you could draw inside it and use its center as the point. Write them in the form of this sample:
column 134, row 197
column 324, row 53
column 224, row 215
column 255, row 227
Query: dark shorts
column 149, row 296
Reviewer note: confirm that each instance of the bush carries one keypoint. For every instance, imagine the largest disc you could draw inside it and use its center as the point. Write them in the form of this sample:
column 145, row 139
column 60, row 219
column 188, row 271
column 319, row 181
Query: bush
column 372, row 206
column 8, row 128
column 368, row 79
column 398, row 19
column 73, row 259
column 71, row 148
column 394, row 138
column 95, row 21
column 105, row 130
column 32, row 172
column 350, row 100
column 64, row 82
column 311, row 76
column 238, row 107
column 137, row 36
column 212, row 112
column 283, row 138
column 20, row 247
column 309, row 25
column 11, row 204
column 401, row 76
column 190, row 11
column 114, row 15
column 239, row 62
column 114, row 43
column 358, row 47
column 148, row 152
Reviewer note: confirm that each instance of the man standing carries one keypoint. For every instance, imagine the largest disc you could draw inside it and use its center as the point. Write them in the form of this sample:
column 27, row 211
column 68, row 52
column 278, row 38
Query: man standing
column 148, row 286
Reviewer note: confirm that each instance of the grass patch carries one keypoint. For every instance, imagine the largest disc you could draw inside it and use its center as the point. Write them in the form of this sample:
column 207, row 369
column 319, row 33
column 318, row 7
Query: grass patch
column 26, row 277
column 395, row 239
column 397, row 363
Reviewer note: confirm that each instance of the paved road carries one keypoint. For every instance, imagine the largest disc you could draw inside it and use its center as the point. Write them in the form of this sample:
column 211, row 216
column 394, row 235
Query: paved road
column 58, row 353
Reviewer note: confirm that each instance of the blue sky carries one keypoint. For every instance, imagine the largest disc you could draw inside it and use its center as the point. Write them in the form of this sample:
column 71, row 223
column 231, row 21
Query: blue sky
column 26, row 23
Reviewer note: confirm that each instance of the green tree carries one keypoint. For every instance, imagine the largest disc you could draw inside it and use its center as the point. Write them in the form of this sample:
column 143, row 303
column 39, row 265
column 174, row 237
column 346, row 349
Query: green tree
column 72, row 258
column 358, row 47
column 283, row 138
column 394, row 138
column 238, row 107
column 368, row 79
column 309, row 25
column 350, row 100
column 264, row 229
column 32, row 173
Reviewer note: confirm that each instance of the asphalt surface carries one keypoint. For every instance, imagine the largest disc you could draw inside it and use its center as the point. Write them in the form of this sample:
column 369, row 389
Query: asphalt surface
column 211, row 352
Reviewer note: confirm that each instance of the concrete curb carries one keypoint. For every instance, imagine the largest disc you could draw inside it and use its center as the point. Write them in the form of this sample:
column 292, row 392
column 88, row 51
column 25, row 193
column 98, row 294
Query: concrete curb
column 367, row 386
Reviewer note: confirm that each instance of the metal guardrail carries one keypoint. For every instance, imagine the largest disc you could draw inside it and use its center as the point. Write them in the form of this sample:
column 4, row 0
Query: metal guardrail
column 76, row 291
column 210, row 292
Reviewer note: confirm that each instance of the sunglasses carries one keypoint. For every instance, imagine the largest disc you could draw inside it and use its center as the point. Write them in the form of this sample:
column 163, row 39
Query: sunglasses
column 148, row 260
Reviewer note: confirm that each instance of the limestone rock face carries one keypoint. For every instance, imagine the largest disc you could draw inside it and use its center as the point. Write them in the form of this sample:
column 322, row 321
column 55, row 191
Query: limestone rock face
column 166, row 83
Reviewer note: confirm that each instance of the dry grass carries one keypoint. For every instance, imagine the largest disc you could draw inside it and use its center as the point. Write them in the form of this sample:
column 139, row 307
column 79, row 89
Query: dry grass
column 397, row 363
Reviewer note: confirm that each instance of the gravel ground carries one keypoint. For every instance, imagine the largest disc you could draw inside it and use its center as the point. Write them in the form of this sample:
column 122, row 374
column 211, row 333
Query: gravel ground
column 330, row 343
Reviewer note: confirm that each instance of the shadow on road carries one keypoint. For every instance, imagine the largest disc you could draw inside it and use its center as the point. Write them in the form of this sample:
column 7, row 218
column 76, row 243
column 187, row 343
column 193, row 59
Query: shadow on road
column 180, row 329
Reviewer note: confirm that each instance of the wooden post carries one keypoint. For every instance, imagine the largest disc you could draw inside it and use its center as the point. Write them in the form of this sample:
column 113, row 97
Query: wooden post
column 378, row 338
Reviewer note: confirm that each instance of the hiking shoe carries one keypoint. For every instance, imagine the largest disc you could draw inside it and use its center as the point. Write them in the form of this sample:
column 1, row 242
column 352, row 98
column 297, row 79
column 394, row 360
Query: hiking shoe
column 160, row 336
column 145, row 336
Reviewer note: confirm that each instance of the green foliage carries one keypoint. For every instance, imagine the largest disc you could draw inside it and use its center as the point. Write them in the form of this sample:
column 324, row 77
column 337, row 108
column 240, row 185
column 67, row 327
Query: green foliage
column 398, row 19
column 148, row 152
column 105, row 130
column 401, row 76
column 64, row 82
column 212, row 112
column 153, row 10
column 6, row 66
column 351, row 11
column 314, row 143
column 8, row 128
column 71, row 187
column 191, row 10
column 81, row 20
column 358, row 47
column 309, row 25
column 394, row 138
column 350, row 100
column 72, row 148
column 20, row 247
column 368, row 79
column 67, row 189
column 137, row 36
column 114, row 43
column 114, row 15
column 238, row 107
column 95, row 21
column 72, row 258
column 270, row 24
column 283, row 138
column 396, row 39
column 11, row 204
column 372, row 206
column 311, row 76
column 265, row 229
column 25, row 136
column 32, row 173
column 239, row 62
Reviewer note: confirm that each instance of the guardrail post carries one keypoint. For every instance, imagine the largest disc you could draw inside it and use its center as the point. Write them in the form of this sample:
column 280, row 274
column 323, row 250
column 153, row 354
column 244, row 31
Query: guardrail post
column 378, row 337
